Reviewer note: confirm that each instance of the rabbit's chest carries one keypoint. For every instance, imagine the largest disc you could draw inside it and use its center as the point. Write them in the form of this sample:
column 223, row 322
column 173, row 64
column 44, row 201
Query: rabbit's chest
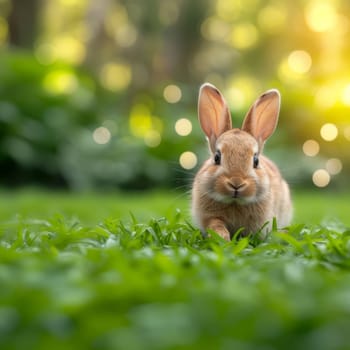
column 250, row 218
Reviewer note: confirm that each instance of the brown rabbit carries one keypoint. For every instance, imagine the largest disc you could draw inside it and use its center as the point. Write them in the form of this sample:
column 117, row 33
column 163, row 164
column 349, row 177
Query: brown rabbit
column 237, row 187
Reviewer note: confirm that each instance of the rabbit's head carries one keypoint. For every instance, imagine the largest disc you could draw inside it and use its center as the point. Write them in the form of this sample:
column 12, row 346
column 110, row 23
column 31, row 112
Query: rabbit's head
column 236, row 170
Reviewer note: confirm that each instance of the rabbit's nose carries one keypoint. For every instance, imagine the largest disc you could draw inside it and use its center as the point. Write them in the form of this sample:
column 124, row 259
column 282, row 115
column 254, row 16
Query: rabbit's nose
column 236, row 184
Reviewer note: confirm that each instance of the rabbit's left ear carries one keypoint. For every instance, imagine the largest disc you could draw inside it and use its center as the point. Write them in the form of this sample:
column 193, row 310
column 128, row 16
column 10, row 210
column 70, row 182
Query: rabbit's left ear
column 261, row 120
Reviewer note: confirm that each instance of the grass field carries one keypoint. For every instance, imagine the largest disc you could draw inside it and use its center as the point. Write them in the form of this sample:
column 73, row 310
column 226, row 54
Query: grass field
column 128, row 271
column 91, row 208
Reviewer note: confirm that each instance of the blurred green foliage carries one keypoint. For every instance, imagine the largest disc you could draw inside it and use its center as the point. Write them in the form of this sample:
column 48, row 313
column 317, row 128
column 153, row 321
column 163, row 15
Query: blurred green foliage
column 91, row 92
column 38, row 127
column 48, row 115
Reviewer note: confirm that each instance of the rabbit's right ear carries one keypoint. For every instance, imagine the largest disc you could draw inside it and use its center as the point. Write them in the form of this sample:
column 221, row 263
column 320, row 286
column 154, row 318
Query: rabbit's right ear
column 213, row 113
column 261, row 119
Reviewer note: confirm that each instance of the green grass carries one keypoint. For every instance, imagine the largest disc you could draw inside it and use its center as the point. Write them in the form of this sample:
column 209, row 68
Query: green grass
column 82, row 272
column 90, row 208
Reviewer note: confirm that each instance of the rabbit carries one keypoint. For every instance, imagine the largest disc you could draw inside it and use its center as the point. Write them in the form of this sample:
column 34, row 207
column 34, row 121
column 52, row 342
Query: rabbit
column 238, row 188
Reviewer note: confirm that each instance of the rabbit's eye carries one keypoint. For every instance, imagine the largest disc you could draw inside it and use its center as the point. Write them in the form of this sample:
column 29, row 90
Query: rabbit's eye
column 217, row 158
column 256, row 160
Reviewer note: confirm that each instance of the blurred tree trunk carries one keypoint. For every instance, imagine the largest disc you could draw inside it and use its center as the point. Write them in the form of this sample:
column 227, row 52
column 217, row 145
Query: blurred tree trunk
column 23, row 22
column 96, row 15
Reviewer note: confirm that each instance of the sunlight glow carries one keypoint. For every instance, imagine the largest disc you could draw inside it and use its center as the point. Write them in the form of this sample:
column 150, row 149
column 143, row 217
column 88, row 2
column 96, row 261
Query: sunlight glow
column 346, row 95
column 242, row 91
column 101, row 135
column 183, row 127
column 321, row 16
column 293, row 68
column 172, row 94
column 326, row 96
column 188, row 160
column 299, row 61
column 321, row 178
column 311, row 148
column 329, row 132
column 334, row 166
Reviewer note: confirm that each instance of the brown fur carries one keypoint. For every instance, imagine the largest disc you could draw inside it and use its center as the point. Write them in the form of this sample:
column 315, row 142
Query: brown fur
column 234, row 195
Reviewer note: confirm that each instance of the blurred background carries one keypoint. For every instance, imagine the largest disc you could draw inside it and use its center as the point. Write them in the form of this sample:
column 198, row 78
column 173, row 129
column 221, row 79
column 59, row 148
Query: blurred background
column 103, row 94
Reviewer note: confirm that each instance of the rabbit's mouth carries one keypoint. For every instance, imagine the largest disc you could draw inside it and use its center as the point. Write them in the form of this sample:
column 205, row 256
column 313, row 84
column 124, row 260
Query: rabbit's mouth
column 236, row 194
column 238, row 198
column 241, row 194
column 235, row 197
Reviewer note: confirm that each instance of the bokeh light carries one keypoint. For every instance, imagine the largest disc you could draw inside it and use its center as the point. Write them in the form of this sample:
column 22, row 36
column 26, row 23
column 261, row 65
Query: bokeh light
column 172, row 93
column 126, row 35
column 68, row 49
column 215, row 29
column 329, row 132
column 188, row 160
column 228, row 10
column 140, row 121
column 101, row 135
column 235, row 97
column 321, row 16
column 286, row 74
column 119, row 26
column 299, row 61
column 244, row 36
column 334, row 166
column 60, row 81
column 272, row 18
column 152, row 138
column 347, row 132
column 115, row 76
column 145, row 126
column 183, row 127
column 321, row 178
column 139, row 55
column 242, row 90
column 311, row 148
